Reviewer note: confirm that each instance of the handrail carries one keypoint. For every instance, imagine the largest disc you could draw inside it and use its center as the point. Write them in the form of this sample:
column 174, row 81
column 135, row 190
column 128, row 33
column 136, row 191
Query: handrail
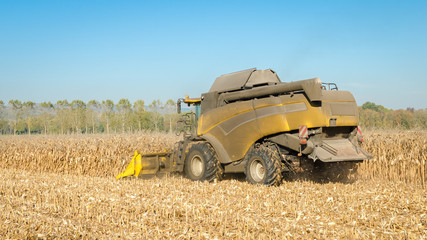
column 329, row 86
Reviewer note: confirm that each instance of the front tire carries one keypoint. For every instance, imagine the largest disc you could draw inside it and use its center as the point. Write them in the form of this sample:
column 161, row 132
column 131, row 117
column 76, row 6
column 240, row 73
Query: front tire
column 202, row 164
column 263, row 166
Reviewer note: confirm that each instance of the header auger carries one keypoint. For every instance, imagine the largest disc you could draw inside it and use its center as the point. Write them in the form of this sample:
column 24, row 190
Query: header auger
column 251, row 122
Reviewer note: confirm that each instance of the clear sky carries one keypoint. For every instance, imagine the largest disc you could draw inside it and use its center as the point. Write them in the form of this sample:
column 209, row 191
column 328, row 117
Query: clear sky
column 54, row 50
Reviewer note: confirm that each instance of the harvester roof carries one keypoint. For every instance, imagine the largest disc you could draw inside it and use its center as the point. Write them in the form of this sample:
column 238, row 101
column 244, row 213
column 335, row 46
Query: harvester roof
column 244, row 79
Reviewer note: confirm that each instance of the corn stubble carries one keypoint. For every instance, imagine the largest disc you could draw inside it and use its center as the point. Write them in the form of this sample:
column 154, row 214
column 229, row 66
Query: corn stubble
column 64, row 187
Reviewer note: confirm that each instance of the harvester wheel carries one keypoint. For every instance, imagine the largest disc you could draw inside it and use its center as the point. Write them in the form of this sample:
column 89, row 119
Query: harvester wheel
column 263, row 166
column 202, row 163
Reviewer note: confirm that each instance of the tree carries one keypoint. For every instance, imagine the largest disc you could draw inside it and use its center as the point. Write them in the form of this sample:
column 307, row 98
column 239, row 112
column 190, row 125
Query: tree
column 156, row 117
column 369, row 119
column 79, row 109
column 374, row 116
column 3, row 122
column 124, row 109
column 47, row 109
column 62, row 115
column 402, row 119
column 28, row 109
column 93, row 108
column 170, row 110
column 374, row 107
column 16, row 113
column 420, row 118
column 1, row 108
column 108, row 111
column 139, row 110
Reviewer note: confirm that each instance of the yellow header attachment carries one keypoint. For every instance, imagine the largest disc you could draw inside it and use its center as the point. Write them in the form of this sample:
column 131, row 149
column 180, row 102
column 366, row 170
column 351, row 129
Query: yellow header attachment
column 134, row 167
column 149, row 165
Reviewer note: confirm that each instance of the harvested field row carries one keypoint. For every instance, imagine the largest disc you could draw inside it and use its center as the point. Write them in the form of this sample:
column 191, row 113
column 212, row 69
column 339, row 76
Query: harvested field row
column 398, row 156
column 38, row 205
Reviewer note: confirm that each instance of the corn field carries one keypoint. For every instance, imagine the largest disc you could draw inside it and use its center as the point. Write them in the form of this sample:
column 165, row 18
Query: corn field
column 63, row 187
column 96, row 155
column 397, row 156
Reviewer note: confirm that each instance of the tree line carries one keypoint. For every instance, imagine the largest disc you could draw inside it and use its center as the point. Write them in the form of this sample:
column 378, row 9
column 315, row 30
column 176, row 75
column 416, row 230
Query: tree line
column 65, row 117
column 373, row 116
column 77, row 116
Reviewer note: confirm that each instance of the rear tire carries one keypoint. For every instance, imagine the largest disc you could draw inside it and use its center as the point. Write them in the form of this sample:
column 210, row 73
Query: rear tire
column 263, row 166
column 202, row 164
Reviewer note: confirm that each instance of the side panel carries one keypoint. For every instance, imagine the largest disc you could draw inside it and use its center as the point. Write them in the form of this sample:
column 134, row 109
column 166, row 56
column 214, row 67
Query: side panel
column 233, row 128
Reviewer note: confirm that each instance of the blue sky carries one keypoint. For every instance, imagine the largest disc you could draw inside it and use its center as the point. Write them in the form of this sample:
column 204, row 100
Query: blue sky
column 53, row 50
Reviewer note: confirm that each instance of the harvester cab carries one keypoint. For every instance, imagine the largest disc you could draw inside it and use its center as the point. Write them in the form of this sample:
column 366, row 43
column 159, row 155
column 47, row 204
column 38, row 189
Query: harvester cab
column 251, row 122
column 190, row 101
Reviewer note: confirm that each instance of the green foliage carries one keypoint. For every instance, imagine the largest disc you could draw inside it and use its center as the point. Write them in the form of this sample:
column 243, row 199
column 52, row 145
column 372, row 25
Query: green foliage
column 374, row 107
column 107, row 113
column 16, row 104
column 16, row 113
column 2, row 107
column 420, row 118
column 139, row 115
column 374, row 116
column 124, row 108
column 156, row 108
column 92, row 114
column 63, row 113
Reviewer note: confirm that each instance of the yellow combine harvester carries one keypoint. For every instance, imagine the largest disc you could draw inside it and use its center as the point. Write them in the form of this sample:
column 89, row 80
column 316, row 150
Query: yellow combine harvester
column 251, row 122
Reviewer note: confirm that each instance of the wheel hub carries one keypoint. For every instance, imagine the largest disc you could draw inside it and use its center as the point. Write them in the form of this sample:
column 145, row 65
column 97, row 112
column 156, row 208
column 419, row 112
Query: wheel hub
column 257, row 170
column 197, row 165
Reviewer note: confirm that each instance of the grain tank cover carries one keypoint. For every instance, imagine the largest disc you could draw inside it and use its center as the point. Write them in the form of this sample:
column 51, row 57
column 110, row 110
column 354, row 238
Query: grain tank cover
column 244, row 79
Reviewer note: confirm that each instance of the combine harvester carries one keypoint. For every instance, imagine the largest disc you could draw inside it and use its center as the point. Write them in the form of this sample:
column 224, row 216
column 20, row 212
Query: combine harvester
column 250, row 122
